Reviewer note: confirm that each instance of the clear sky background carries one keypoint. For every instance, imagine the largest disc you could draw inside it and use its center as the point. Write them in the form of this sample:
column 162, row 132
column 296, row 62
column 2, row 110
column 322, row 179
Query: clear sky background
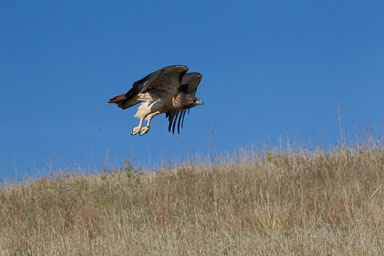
column 271, row 70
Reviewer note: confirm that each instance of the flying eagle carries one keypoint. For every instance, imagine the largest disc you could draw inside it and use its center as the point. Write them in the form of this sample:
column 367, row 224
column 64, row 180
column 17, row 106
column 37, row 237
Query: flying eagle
column 170, row 90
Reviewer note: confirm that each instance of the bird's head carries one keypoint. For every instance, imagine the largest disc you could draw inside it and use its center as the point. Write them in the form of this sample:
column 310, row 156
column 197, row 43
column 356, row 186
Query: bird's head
column 197, row 101
column 194, row 101
column 186, row 101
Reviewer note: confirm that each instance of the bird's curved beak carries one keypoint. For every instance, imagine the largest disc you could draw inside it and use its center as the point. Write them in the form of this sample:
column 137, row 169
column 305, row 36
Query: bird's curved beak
column 199, row 102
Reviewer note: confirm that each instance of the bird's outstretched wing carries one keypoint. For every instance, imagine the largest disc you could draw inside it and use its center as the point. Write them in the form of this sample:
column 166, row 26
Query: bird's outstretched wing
column 161, row 83
column 189, row 85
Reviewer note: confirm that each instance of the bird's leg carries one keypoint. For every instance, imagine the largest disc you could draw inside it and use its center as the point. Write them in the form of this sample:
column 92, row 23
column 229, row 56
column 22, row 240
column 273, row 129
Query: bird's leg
column 149, row 117
column 136, row 129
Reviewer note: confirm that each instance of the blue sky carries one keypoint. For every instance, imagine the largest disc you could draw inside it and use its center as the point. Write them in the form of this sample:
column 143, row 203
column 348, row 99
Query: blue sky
column 271, row 69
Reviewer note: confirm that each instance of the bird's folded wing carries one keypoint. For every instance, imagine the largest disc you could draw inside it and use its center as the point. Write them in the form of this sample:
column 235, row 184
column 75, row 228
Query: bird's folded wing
column 190, row 82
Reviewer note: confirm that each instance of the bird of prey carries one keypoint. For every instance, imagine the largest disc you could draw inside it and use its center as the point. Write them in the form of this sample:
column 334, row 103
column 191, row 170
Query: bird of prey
column 170, row 90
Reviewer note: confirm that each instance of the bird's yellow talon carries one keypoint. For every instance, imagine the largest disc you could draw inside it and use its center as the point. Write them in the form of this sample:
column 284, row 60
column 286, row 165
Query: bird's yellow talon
column 144, row 130
column 135, row 130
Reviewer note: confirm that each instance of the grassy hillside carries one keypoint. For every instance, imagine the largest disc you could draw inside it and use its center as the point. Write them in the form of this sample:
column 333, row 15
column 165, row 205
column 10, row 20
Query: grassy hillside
column 280, row 204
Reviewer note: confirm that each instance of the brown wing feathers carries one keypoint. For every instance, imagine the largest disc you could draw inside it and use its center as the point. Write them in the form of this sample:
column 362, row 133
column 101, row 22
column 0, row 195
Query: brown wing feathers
column 130, row 98
column 190, row 82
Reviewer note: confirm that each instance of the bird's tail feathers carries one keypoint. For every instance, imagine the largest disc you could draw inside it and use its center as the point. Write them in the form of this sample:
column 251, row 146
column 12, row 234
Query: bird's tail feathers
column 118, row 99
column 124, row 100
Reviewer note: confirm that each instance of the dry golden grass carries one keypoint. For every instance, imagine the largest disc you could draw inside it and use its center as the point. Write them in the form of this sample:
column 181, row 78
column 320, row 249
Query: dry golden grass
column 282, row 204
